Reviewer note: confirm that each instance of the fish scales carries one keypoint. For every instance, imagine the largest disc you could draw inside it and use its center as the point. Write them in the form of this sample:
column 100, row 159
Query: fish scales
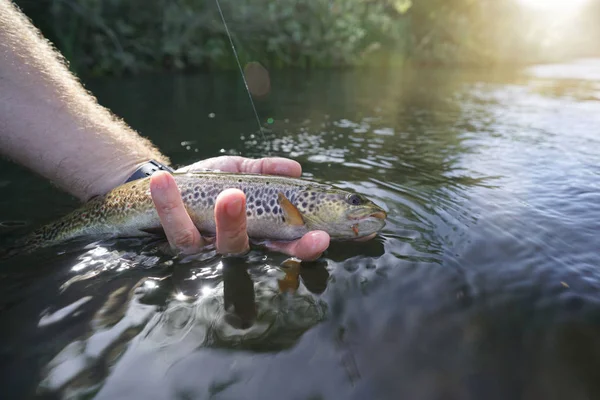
column 266, row 218
column 277, row 208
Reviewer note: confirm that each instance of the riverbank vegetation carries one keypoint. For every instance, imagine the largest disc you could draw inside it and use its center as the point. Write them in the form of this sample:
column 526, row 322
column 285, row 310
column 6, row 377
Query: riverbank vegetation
column 137, row 36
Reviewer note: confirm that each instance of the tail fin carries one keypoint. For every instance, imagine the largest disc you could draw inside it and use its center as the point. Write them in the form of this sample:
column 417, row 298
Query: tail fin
column 62, row 229
column 7, row 253
column 23, row 245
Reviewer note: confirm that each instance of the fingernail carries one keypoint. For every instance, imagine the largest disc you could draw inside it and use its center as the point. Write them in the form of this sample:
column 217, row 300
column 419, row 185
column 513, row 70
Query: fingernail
column 314, row 237
column 160, row 180
column 234, row 208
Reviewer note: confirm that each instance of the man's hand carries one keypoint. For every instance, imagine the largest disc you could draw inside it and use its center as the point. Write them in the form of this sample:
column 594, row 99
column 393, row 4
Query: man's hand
column 230, row 210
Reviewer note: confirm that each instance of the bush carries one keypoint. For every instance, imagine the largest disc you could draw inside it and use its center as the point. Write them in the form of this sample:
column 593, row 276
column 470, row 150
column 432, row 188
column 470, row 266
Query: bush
column 102, row 37
column 131, row 36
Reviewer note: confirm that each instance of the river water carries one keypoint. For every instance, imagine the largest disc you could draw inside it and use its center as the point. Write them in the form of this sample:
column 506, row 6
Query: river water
column 483, row 284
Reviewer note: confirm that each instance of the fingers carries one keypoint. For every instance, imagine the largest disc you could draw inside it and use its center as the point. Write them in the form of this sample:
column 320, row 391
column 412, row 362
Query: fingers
column 230, row 217
column 270, row 166
column 230, row 210
column 308, row 248
column 179, row 228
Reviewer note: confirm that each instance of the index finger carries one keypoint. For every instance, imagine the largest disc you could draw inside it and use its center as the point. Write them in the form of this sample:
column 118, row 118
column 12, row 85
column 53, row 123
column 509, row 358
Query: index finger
column 177, row 224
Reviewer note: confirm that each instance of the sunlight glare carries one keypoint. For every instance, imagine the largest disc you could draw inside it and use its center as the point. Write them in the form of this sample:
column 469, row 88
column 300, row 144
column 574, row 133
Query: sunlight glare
column 554, row 5
column 150, row 284
column 206, row 290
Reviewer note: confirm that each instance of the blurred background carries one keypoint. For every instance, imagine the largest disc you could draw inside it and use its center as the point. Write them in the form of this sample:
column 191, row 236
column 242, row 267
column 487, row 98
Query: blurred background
column 135, row 36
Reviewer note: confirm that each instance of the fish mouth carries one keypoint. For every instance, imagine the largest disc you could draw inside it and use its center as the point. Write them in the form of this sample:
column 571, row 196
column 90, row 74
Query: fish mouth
column 366, row 222
column 364, row 214
column 379, row 215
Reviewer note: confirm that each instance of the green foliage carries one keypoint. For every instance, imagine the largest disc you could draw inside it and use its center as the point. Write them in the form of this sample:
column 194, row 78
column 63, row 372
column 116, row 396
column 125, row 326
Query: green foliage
column 132, row 36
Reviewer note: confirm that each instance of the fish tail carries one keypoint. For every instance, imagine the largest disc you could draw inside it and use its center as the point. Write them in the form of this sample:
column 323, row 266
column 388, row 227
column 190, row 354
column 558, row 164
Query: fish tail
column 24, row 245
column 68, row 227
column 8, row 252
column 12, row 251
column 44, row 236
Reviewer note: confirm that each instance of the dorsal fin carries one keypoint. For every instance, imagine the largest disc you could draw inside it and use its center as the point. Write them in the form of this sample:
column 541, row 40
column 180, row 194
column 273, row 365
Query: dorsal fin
column 292, row 215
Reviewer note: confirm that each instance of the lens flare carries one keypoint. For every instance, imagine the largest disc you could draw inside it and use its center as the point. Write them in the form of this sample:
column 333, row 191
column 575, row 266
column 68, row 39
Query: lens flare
column 554, row 5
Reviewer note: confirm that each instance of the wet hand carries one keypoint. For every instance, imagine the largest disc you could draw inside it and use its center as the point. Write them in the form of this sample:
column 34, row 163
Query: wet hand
column 230, row 216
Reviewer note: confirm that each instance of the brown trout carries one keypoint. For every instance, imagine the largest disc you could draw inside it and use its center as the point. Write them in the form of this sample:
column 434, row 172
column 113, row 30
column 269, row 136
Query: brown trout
column 277, row 208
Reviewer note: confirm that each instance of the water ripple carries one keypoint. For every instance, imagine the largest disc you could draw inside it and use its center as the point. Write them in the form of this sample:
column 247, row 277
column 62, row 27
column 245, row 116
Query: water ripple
column 483, row 283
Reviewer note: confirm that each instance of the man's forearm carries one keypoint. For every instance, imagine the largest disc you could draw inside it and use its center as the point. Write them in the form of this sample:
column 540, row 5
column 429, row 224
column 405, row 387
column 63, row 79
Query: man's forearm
column 50, row 124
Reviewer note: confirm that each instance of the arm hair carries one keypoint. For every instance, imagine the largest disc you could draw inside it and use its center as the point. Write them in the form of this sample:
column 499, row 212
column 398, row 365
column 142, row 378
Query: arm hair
column 51, row 124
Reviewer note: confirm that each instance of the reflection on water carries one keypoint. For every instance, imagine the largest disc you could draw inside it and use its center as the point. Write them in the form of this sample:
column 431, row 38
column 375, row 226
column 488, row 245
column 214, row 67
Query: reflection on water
column 483, row 284
column 225, row 309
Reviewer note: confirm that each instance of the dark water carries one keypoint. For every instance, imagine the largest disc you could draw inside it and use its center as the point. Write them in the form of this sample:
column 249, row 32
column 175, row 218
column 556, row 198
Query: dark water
column 483, row 285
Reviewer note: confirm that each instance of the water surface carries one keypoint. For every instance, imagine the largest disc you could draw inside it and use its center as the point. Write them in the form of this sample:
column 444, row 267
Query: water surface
column 484, row 283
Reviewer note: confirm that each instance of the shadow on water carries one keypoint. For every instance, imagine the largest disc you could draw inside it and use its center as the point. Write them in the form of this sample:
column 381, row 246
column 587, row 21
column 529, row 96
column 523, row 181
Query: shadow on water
column 483, row 283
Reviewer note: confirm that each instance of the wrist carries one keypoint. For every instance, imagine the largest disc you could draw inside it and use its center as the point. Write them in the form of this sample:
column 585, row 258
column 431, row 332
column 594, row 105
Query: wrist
column 147, row 169
column 126, row 172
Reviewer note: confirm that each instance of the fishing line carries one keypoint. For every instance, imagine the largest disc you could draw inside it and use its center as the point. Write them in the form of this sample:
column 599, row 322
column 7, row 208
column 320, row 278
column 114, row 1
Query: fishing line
column 241, row 70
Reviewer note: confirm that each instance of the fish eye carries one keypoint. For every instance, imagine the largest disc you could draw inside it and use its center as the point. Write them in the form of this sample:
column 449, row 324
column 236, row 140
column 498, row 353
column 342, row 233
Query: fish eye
column 354, row 200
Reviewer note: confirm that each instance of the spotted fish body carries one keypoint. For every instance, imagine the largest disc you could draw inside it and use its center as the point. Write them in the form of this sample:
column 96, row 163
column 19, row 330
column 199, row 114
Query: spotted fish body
column 277, row 208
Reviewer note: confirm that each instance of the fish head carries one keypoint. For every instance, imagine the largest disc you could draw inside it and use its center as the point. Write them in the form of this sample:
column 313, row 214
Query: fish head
column 344, row 215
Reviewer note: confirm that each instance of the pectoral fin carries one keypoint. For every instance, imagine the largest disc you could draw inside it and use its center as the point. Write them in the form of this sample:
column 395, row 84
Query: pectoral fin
column 290, row 282
column 292, row 215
